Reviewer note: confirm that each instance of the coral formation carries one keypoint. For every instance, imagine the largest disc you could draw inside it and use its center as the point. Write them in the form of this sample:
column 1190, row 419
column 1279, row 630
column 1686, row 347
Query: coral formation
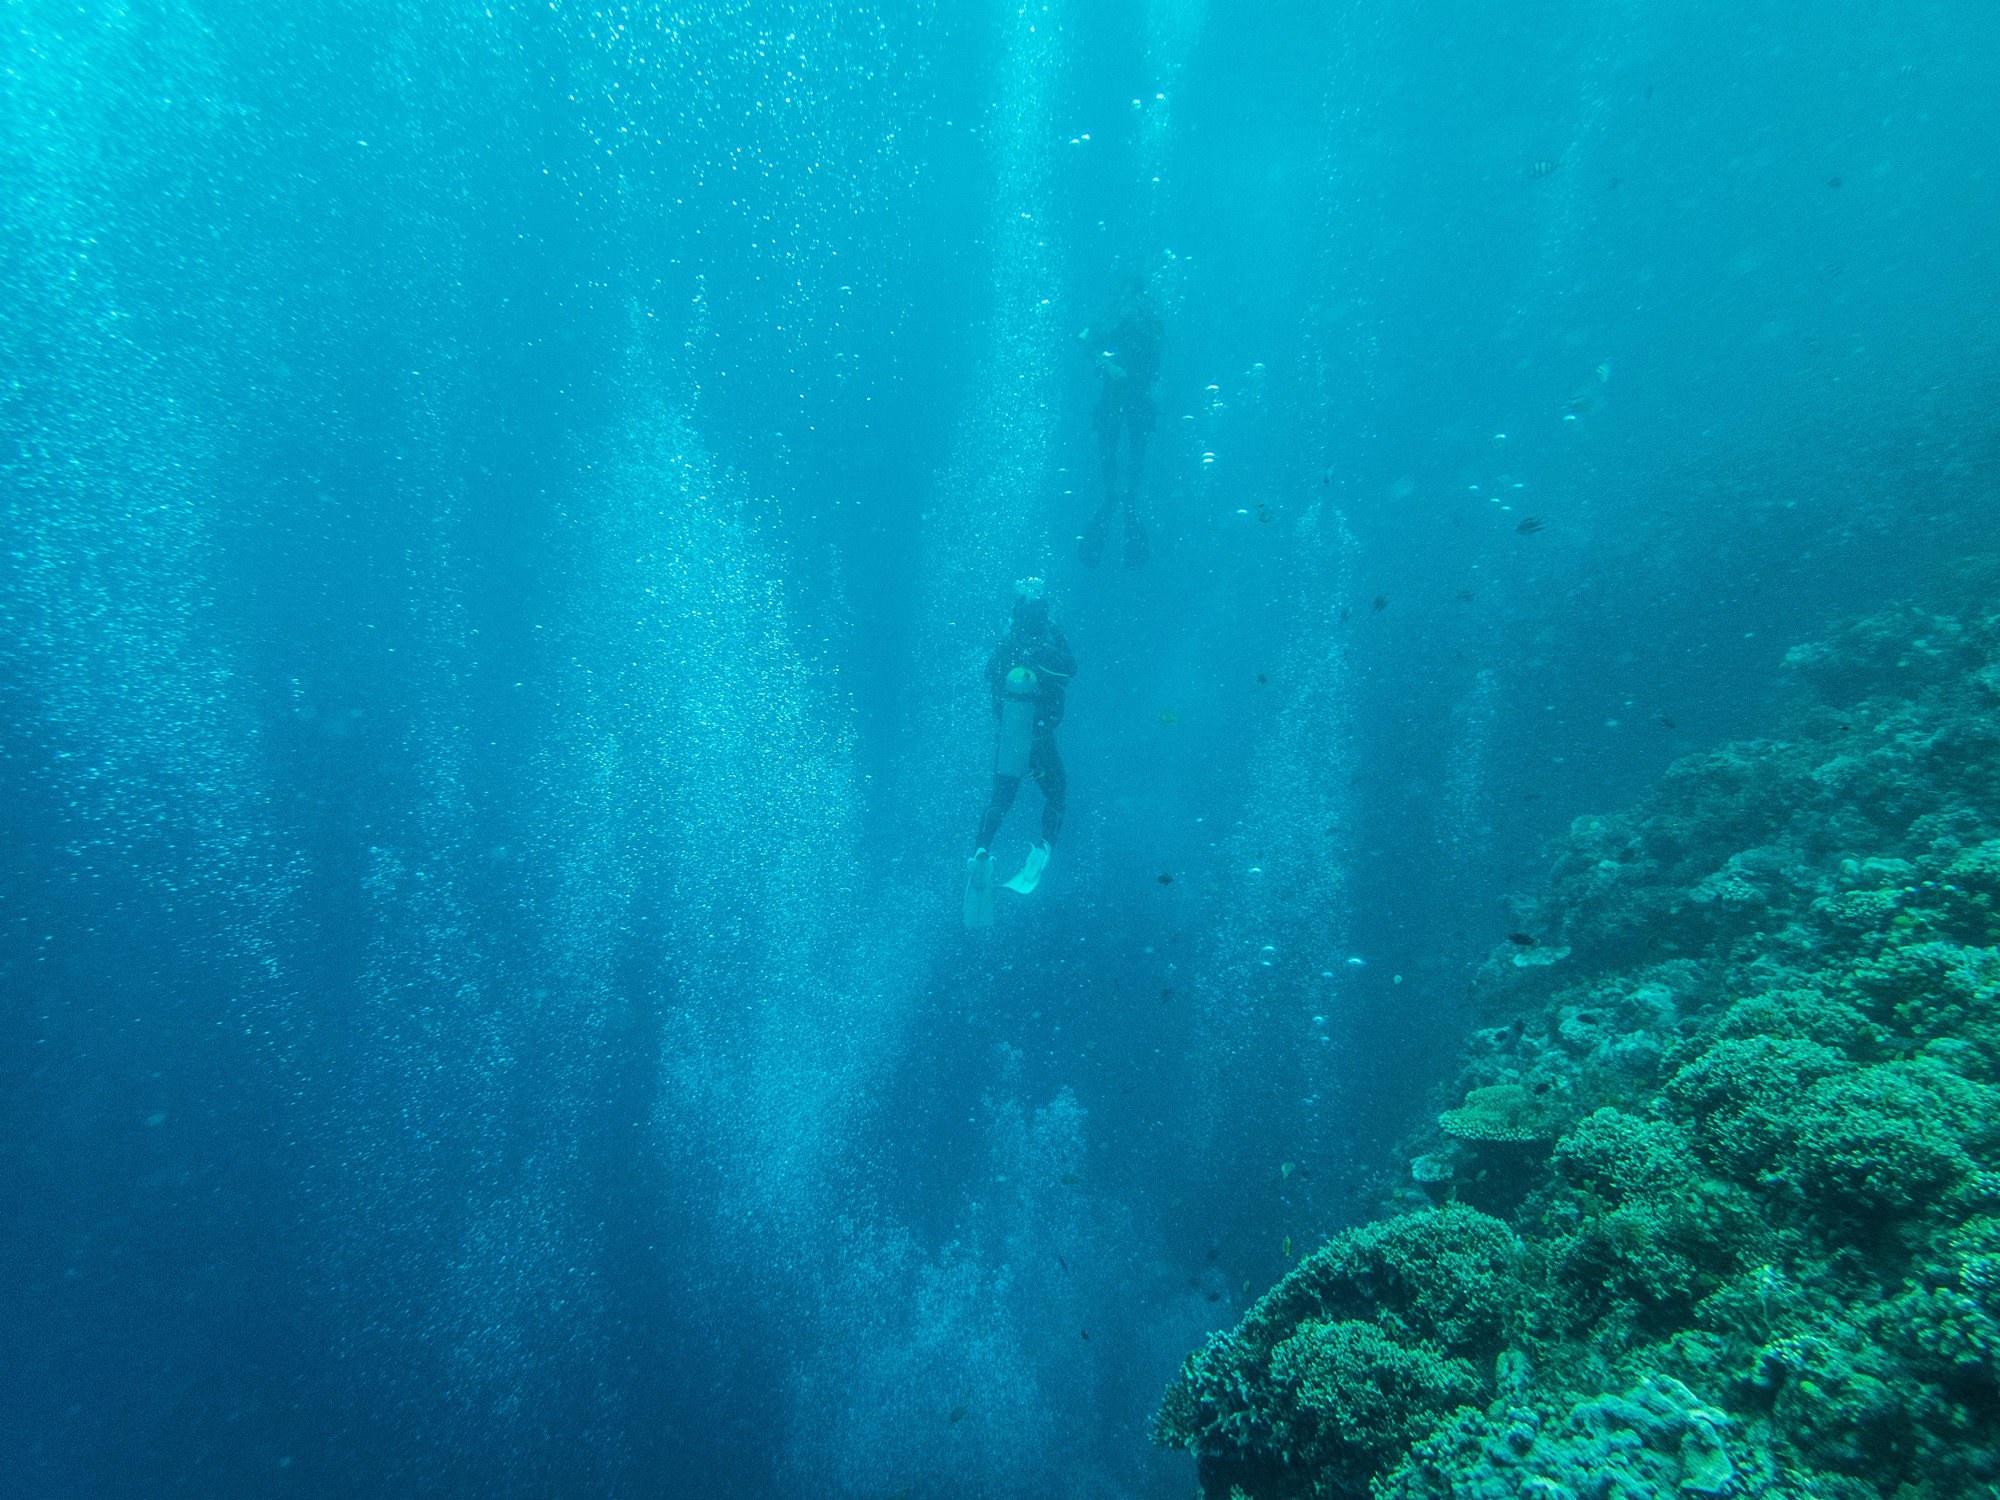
column 1713, row 1207
column 1357, row 1354
column 1500, row 1112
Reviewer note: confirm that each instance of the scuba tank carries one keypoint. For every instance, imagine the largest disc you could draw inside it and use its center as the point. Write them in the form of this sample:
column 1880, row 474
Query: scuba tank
column 1017, row 724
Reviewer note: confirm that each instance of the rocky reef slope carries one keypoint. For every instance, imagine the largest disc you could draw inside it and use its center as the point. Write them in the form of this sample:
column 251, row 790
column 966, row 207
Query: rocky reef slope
column 1715, row 1205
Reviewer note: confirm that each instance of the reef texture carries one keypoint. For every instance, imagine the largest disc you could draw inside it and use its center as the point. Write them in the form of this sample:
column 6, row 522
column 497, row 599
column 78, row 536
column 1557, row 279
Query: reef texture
column 1714, row 1208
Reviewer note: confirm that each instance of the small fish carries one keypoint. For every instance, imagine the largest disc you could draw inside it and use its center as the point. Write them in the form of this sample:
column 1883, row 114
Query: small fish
column 1166, row 880
column 1064, row 1264
column 1263, row 512
column 1166, row 994
column 1168, row 716
column 1086, row 1334
column 1524, row 940
column 1262, row 679
column 1529, row 525
column 1542, row 166
column 1346, row 614
column 1664, row 722
column 1833, row 182
column 957, row 1415
column 1381, row 603
column 1286, row 1168
column 1288, row 1247
column 1604, row 372
column 1465, row 596
column 1070, row 1179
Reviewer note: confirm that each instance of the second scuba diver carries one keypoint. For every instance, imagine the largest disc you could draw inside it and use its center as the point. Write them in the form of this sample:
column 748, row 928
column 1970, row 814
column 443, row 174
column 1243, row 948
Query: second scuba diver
column 1027, row 674
column 1125, row 347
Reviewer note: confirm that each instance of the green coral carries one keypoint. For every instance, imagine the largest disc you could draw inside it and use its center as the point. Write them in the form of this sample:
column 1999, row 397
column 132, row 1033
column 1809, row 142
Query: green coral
column 1418, row 1306
column 1890, row 1140
column 1622, row 1158
column 1743, row 1095
column 1659, row 1228
column 1806, row 1015
column 1950, row 1324
column 1348, row 1395
column 1936, row 990
column 1443, row 1276
column 1841, row 1405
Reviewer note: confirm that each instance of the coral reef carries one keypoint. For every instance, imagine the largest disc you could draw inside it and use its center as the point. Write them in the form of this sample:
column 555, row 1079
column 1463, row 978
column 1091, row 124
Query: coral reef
column 1713, row 1205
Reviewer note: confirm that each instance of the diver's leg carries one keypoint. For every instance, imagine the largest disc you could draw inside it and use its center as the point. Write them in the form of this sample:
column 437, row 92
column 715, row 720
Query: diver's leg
column 1139, row 425
column 1004, row 788
column 1104, row 422
column 1046, row 763
column 1090, row 546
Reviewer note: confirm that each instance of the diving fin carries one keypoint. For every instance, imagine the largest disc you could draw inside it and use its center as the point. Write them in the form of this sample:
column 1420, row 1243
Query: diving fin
column 979, row 890
column 1031, row 872
column 1135, row 545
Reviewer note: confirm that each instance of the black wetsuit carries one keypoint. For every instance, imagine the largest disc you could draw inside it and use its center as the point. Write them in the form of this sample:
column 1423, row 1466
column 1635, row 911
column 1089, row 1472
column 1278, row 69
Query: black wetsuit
column 1128, row 348
column 1048, row 656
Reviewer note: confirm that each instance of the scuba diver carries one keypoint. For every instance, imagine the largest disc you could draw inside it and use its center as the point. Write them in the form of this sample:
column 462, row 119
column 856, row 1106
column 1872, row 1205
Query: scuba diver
column 1125, row 346
column 1026, row 674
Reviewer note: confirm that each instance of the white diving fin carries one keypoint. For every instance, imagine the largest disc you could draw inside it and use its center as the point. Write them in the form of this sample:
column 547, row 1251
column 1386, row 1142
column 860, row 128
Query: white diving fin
column 979, row 890
column 1031, row 872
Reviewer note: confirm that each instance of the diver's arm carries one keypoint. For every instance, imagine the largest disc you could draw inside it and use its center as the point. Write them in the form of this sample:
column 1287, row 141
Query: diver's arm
column 1055, row 659
column 1105, row 359
column 997, row 667
column 1151, row 335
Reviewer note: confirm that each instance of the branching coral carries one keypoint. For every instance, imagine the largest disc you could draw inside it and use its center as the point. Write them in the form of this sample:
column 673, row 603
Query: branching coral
column 1348, row 1396
column 1355, row 1354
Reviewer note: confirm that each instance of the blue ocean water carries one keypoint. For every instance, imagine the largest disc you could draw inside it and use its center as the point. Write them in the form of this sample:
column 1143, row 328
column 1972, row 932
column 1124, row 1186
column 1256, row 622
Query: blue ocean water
column 506, row 509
